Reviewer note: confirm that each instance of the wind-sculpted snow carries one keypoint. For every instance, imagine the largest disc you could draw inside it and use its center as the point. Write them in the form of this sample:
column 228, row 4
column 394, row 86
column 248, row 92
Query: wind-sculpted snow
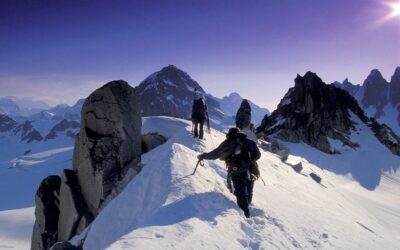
column 166, row 207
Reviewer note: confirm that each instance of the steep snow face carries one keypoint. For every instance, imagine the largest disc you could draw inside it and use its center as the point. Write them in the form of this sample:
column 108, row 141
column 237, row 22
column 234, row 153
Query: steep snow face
column 170, row 91
column 16, row 228
column 166, row 207
column 231, row 103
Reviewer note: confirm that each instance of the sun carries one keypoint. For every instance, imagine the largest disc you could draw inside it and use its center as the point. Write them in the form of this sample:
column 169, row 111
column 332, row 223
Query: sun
column 395, row 9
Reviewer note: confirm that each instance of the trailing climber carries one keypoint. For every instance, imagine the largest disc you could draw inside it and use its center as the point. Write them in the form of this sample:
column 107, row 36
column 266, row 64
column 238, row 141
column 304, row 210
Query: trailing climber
column 240, row 155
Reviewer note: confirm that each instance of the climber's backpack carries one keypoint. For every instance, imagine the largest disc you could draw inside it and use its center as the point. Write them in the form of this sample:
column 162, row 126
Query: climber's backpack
column 244, row 157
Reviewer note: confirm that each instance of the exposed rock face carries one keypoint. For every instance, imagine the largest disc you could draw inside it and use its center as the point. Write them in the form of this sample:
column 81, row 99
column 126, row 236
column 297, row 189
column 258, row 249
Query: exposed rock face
column 379, row 98
column 109, row 141
column 375, row 92
column 395, row 89
column 243, row 115
column 386, row 136
column 170, row 92
column 46, row 212
column 313, row 112
column 106, row 157
column 74, row 216
column 276, row 147
column 60, row 127
column 151, row 141
column 28, row 133
column 6, row 123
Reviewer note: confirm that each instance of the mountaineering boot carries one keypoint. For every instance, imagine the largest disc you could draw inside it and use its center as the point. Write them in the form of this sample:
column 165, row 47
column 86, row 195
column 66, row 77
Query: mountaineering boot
column 247, row 213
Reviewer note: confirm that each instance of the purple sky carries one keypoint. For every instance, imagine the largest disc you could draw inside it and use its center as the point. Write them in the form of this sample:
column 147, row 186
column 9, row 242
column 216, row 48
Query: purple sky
column 59, row 51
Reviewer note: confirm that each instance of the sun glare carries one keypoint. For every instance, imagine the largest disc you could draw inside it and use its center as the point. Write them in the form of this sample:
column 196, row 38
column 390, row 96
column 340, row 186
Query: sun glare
column 395, row 9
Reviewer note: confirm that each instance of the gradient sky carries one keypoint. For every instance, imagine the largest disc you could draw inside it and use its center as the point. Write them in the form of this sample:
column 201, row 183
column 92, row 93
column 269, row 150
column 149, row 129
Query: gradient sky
column 59, row 51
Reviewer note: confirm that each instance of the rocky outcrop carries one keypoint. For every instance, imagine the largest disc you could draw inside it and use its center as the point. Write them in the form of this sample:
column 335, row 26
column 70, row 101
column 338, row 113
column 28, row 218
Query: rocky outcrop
column 386, row 136
column 314, row 112
column 276, row 147
column 74, row 216
column 28, row 132
column 170, row 92
column 375, row 92
column 395, row 89
column 60, row 127
column 109, row 141
column 151, row 141
column 243, row 115
column 6, row 123
column 380, row 99
column 106, row 157
column 46, row 212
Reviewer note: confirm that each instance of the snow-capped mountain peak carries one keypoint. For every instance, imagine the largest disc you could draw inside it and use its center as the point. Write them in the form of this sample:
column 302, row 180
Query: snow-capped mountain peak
column 379, row 98
column 231, row 103
column 170, row 91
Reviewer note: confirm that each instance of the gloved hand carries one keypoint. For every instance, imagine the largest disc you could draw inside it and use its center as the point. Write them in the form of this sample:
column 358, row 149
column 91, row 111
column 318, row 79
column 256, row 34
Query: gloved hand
column 200, row 157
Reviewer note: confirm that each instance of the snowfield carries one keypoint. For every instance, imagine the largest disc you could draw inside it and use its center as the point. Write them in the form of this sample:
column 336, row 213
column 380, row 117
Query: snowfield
column 166, row 207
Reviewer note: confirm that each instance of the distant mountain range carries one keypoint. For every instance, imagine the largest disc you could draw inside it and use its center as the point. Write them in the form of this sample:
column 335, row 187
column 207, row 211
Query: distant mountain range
column 231, row 103
column 169, row 91
column 378, row 97
column 12, row 105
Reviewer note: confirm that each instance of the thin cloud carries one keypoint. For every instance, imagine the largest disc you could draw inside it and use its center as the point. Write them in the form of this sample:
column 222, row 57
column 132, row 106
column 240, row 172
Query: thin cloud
column 54, row 89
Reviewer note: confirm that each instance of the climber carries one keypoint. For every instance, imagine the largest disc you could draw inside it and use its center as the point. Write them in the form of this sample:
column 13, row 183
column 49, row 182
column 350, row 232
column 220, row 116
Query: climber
column 199, row 116
column 240, row 155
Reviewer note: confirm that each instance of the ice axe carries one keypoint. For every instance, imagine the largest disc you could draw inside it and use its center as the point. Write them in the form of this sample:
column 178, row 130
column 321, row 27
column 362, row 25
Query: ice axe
column 199, row 162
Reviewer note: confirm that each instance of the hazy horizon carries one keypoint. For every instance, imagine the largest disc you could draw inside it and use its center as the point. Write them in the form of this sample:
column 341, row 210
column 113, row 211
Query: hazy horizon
column 60, row 51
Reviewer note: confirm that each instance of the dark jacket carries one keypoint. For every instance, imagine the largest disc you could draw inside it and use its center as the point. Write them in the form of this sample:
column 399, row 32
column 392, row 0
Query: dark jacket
column 199, row 111
column 227, row 149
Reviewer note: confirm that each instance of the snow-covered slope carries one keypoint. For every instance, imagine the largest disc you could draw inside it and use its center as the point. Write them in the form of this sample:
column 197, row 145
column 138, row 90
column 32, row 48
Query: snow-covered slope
column 166, row 207
column 25, row 162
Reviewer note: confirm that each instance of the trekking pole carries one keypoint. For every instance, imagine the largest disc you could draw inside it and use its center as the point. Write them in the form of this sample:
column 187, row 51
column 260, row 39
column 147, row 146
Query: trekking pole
column 199, row 162
column 212, row 141
column 262, row 180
